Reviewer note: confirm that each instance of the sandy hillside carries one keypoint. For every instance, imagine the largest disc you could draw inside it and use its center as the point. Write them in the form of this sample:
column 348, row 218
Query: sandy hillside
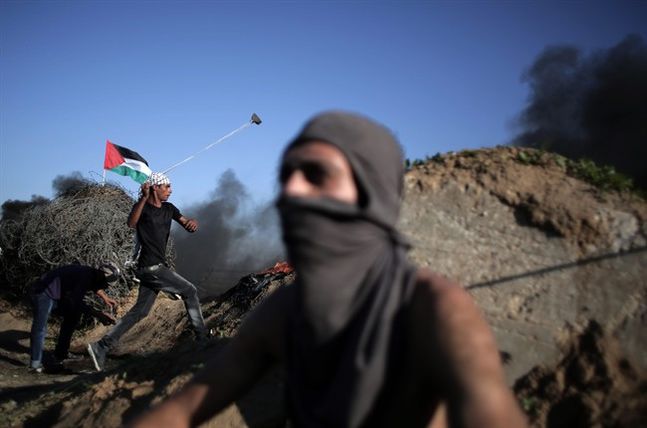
column 557, row 266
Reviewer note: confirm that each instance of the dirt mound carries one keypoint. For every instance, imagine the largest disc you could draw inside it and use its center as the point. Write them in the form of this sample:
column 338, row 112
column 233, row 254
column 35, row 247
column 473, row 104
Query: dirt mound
column 154, row 359
column 547, row 256
column 543, row 191
column 547, row 251
column 593, row 385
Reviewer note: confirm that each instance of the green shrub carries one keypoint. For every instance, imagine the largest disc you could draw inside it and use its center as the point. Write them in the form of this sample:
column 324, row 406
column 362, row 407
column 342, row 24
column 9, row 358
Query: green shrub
column 604, row 177
column 438, row 158
column 531, row 157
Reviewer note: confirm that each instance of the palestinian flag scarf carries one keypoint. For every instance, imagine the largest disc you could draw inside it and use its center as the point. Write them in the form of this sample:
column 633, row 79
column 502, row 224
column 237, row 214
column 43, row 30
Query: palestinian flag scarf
column 124, row 161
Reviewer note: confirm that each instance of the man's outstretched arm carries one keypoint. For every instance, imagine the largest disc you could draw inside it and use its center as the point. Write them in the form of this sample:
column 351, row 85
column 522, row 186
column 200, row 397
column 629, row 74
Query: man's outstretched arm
column 233, row 371
column 189, row 224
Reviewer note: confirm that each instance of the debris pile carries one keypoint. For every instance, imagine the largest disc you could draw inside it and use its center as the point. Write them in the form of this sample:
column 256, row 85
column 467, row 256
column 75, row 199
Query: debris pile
column 227, row 311
column 593, row 385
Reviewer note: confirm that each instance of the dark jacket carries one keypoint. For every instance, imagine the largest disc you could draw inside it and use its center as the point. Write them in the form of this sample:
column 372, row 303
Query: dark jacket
column 75, row 281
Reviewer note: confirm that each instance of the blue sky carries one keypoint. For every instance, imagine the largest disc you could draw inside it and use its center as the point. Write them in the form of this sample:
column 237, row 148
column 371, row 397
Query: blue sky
column 168, row 78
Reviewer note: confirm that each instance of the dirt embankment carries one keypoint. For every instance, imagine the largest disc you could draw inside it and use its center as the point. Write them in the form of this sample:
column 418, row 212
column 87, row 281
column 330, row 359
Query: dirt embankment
column 546, row 256
column 593, row 385
column 543, row 253
column 154, row 359
column 557, row 266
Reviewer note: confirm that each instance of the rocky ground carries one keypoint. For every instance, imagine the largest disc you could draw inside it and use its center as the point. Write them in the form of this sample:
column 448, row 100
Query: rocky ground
column 557, row 266
column 153, row 359
column 594, row 384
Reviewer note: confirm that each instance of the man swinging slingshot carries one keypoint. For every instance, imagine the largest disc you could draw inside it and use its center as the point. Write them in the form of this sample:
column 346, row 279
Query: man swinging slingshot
column 151, row 215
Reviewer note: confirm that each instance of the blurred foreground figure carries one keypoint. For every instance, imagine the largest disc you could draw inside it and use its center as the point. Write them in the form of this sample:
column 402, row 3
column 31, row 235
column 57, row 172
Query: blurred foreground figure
column 367, row 338
column 64, row 288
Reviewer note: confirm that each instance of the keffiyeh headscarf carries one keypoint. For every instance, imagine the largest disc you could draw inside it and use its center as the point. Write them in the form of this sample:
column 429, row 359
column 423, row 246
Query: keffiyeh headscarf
column 352, row 278
column 157, row 179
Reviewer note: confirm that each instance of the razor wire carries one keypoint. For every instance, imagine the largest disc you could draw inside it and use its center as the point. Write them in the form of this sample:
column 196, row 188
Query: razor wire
column 86, row 226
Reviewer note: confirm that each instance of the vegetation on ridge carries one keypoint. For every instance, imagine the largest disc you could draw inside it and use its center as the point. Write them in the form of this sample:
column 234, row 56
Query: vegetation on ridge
column 603, row 177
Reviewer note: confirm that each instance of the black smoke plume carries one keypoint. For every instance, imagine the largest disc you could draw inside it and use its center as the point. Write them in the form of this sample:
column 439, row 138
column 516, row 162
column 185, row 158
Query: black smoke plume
column 12, row 209
column 66, row 184
column 233, row 239
column 592, row 106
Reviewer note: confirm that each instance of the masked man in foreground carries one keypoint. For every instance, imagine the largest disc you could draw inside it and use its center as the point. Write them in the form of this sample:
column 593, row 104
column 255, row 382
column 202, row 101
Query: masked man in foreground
column 367, row 338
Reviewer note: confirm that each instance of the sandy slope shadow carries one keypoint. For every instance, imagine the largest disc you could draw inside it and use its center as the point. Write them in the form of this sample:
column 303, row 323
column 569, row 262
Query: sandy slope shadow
column 22, row 394
column 262, row 406
column 45, row 418
column 9, row 341
column 132, row 384
column 10, row 346
column 12, row 361
column 68, row 403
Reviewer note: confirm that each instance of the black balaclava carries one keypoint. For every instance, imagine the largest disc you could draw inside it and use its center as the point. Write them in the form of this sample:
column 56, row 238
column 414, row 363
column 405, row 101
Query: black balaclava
column 352, row 277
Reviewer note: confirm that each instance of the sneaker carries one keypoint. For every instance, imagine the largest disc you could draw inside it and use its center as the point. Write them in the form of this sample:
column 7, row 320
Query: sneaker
column 36, row 370
column 205, row 336
column 98, row 355
column 68, row 357
column 75, row 357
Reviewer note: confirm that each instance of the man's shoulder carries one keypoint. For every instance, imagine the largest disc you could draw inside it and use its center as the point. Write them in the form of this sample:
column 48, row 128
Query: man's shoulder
column 429, row 279
column 168, row 206
column 430, row 286
column 165, row 207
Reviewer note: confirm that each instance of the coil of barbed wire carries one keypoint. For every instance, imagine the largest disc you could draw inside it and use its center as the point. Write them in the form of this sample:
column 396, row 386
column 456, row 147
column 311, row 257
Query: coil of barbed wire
column 86, row 225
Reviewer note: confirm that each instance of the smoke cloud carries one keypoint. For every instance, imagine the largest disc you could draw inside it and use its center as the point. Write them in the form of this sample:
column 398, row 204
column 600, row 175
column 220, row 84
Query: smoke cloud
column 12, row 209
column 234, row 238
column 64, row 184
column 592, row 106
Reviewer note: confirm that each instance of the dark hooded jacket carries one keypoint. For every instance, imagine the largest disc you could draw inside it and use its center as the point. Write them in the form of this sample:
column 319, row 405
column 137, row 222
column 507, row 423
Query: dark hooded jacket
column 353, row 284
column 68, row 286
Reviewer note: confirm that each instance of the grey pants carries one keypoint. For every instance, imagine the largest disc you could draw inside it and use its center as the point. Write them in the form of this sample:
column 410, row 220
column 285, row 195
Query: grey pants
column 153, row 280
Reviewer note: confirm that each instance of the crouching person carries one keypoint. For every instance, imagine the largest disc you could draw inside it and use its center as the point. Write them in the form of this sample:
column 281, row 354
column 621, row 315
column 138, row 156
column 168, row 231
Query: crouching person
column 64, row 288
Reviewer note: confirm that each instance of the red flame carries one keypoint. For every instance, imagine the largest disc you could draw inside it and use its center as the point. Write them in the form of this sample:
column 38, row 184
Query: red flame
column 279, row 267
